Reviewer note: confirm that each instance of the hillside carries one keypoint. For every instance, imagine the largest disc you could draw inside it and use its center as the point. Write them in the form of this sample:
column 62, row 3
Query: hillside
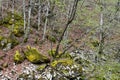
column 59, row 39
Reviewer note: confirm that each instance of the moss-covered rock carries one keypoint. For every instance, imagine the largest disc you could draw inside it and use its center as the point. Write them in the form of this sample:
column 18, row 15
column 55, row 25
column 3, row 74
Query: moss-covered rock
column 14, row 42
column 3, row 42
column 33, row 55
column 18, row 31
column 68, row 67
column 64, row 62
column 18, row 23
column 41, row 67
column 7, row 43
column 18, row 58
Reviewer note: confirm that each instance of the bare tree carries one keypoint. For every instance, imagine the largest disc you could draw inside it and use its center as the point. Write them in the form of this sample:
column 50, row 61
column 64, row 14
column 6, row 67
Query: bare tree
column 68, row 12
column 70, row 19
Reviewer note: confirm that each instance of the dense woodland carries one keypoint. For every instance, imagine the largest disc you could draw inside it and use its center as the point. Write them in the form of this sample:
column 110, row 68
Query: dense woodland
column 59, row 39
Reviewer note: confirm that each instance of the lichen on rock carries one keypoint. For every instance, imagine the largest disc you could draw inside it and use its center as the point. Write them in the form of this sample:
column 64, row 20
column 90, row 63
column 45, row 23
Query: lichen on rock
column 33, row 55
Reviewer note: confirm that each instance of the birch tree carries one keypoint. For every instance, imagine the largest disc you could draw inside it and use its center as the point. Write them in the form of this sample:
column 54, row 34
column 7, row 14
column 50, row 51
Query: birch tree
column 39, row 14
column 13, row 3
column 46, row 20
column 29, row 18
column 101, row 35
column 24, row 14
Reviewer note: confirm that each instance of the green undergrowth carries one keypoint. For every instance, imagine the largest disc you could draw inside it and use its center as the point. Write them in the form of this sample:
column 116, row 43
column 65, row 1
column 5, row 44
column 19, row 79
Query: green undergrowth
column 107, row 71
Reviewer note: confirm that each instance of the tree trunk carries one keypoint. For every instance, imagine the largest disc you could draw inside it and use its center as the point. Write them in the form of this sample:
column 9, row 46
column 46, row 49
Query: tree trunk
column 39, row 15
column 1, row 16
column 102, row 36
column 70, row 19
column 29, row 17
column 24, row 14
column 46, row 21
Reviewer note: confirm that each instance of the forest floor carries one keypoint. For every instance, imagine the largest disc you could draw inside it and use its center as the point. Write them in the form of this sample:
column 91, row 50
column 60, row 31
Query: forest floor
column 7, row 65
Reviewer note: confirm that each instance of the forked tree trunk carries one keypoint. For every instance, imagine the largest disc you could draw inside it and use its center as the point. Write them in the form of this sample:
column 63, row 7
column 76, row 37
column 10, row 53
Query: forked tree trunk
column 70, row 19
